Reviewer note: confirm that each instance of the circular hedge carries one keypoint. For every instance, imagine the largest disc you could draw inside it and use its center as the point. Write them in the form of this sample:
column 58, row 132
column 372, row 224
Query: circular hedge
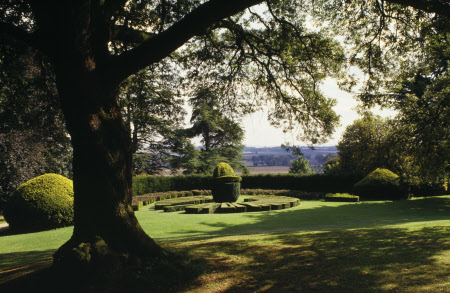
column 44, row 202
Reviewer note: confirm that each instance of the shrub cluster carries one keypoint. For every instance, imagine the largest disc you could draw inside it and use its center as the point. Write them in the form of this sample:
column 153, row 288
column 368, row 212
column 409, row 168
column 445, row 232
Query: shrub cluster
column 44, row 202
column 428, row 189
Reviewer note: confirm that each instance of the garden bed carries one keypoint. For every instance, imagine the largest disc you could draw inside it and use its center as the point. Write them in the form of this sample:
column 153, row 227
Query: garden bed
column 205, row 204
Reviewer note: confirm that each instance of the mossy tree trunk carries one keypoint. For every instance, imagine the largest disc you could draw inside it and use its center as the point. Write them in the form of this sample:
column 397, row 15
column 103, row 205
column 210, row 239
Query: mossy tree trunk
column 105, row 226
column 102, row 175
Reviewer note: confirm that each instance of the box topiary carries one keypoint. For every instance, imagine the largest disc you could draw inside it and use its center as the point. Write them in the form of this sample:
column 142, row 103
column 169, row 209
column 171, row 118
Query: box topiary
column 341, row 197
column 45, row 202
column 380, row 184
column 226, row 185
column 223, row 169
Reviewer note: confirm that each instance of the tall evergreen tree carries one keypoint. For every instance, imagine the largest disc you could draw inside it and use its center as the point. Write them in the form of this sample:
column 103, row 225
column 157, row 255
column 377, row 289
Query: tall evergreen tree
column 221, row 136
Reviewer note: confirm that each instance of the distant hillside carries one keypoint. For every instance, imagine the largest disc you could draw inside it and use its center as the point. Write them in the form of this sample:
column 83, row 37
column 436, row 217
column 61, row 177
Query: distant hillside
column 277, row 156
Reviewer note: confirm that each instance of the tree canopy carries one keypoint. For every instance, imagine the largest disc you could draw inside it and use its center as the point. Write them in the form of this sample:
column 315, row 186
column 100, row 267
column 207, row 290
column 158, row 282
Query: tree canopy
column 271, row 51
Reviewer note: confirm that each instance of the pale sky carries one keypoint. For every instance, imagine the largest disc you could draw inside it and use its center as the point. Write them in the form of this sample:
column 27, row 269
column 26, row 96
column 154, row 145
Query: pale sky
column 258, row 131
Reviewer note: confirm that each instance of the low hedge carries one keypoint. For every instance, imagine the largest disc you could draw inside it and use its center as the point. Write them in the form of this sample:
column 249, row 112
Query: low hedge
column 146, row 199
column 316, row 183
column 341, row 197
column 144, row 184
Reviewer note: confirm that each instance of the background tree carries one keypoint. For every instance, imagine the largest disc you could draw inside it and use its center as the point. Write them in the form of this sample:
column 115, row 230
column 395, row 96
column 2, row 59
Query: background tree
column 424, row 114
column 363, row 146
column 373, row 142
column 33, row 140
column 186, row 156
column 300, row 166
column 331, row 167
column 404, row 55
column 221, row 136
column 152, row 110
column 151, row 106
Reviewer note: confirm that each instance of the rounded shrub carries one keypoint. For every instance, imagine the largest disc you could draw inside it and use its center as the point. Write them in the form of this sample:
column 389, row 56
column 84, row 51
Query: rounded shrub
column 223, row 169
column 379, row 184
column 44, row 202
column 226, row 185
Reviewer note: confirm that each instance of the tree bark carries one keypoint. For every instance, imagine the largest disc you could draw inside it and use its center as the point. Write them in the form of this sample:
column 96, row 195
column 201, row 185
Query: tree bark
column 102, row 175
column 105, row 227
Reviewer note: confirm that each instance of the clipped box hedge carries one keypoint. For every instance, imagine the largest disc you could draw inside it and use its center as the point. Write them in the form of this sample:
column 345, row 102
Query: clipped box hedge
column 314, row 183
column 341, row 197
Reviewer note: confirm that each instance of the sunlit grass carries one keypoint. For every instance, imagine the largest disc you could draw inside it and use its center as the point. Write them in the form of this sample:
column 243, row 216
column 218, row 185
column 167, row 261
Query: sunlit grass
column 363, row 260
column 401, row 246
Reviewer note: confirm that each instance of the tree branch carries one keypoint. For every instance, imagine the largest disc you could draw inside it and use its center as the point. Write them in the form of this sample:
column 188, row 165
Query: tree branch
column 440, row 7
column 128, row 35
column 155, row 49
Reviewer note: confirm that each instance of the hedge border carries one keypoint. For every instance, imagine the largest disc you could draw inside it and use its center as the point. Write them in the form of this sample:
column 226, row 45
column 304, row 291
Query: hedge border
column 313, row 183
column 142, row 200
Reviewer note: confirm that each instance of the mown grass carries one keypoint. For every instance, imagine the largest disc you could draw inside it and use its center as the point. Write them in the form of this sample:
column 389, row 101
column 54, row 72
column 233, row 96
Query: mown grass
column 401, row 246
column 363, row 260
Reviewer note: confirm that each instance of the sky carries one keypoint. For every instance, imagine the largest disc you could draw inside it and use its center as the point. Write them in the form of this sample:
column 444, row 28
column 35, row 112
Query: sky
column 259, row 133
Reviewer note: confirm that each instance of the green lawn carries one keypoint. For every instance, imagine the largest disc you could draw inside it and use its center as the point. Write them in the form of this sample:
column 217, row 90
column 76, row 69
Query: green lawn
column 320, row 246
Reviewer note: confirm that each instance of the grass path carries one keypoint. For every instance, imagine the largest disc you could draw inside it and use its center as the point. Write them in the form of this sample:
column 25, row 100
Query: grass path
column 401, row 246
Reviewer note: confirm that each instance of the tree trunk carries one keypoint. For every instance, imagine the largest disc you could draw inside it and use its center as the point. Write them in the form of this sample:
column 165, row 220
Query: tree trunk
column 106, row 231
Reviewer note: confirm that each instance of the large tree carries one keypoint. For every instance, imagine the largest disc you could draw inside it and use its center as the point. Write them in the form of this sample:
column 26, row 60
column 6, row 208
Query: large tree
column 272, row 51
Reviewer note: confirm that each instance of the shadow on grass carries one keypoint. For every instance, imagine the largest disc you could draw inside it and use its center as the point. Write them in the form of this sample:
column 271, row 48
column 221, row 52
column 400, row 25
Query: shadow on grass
column 12, row 266
column 366, row 260
column 148, row 275
column 328, row 217
column 18, row 259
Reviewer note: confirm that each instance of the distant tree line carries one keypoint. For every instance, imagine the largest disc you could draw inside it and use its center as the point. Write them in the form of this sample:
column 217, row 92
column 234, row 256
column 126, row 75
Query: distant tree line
column 272, row 160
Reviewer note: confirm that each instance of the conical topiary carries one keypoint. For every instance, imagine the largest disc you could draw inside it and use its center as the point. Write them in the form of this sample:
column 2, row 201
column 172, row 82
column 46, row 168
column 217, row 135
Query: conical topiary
column 226, row 185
